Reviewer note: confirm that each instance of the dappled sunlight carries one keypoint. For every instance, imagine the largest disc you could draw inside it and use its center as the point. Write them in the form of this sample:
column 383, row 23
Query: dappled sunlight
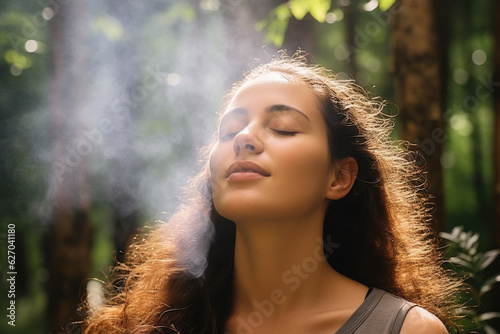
column 106, row 107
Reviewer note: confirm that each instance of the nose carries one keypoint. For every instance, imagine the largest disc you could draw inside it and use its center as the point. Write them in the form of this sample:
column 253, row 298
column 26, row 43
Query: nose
column 247, row 141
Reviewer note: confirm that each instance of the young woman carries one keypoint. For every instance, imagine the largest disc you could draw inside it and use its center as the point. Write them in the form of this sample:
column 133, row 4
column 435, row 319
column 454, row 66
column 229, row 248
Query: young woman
column 306, row 218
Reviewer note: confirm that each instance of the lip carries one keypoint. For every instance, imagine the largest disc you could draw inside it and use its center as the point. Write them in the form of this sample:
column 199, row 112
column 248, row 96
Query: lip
column 245, row 170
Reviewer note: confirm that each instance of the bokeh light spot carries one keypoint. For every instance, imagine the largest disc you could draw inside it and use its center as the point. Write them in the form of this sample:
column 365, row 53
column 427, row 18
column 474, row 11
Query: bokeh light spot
column 48, row 13
column 173, row 79
column 460, row 76
column 342, row 52
column 16, row 70
column 339, row 14
column 479, row 57
column 461, row 124
column 210, row 5
column 31, row 45
column 330, row 18
column 370, row 6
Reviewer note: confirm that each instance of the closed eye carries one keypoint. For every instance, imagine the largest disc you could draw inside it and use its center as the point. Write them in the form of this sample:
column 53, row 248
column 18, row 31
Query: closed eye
column 284, row 133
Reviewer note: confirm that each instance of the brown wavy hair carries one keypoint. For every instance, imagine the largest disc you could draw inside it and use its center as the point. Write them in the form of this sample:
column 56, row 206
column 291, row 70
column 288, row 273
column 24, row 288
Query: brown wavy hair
column 179, row 277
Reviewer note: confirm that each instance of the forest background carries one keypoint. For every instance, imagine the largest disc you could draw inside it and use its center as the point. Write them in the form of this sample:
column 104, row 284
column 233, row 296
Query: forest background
column 104, row 106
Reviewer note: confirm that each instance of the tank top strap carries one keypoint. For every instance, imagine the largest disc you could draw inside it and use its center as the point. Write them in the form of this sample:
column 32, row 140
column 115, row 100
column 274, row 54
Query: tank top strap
column 381, row 313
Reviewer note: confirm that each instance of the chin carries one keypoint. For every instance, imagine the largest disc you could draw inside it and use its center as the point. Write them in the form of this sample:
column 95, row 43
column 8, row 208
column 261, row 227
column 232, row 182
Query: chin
column 242, row 210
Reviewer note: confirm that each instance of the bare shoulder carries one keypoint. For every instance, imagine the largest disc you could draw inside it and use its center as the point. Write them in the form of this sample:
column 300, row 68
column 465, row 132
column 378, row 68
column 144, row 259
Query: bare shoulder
column 419, row 320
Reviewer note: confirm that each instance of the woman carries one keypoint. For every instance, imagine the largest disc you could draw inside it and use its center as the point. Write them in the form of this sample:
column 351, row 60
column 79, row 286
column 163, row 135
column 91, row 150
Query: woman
column 305, row 219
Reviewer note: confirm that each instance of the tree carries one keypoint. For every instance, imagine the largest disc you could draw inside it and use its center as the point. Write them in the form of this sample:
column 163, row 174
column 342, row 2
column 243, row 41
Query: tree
column 122, row 174
column 301, row 34
column 350, row 20
column 419, row 88
column 496, row 137
column 250, row 13
column 283, row 28
column 70, row 234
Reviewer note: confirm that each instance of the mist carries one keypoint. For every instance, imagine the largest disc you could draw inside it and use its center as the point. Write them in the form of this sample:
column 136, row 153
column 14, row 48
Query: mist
column 151, row 76
column 156, row 75
column 126, row 95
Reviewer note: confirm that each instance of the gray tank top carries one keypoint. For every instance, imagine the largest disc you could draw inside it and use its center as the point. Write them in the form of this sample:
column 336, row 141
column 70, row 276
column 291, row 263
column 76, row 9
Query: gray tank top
column 380, row 313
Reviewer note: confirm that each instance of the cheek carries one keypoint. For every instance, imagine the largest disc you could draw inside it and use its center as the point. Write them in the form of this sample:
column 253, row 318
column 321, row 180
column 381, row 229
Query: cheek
column 309, row 159
column 216, row 168
column 215, row 160
column 308, row 168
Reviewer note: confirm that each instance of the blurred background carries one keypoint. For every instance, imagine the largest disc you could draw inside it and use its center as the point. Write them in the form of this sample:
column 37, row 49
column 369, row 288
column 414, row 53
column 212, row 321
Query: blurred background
column 104, row 106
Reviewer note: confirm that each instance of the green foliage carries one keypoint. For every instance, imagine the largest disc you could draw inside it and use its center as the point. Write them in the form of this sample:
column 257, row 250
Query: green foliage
column 277, row 20
column 472, row 265
column 276, row 23
column 385, row 4
column 20, row 40
column 179, row 12
column 165, row 35
column 108, row 26
column 317, row 8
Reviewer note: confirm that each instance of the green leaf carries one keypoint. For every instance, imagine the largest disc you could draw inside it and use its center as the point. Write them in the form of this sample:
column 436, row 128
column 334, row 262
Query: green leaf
column 465, row 257
column 262, row 24
column 276, row 23
column 489, row 330
column 457, row 230
column 276, row 32
column 489, row 316
column 488, row 285
column 319, row 9
column 385, row 4
column 299, row 8
column 454, row 236
column 448, row 237
column 461, row 262
column 108, row 26
column 282, row 12
column 488, row 258
column 13, row 57
column 472, row 241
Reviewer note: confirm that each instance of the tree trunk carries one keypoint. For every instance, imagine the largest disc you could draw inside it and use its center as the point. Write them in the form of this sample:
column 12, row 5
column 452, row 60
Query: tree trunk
column 238, row 15
column 243, row 44
column 301, row 35
column 496, row 137
column 123, row 165
column 350, row 20
column 443, row 30
column 419, row 89
column 70, row 231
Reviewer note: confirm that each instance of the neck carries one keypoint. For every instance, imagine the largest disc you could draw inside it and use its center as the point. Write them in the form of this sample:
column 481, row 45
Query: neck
column 280, row 265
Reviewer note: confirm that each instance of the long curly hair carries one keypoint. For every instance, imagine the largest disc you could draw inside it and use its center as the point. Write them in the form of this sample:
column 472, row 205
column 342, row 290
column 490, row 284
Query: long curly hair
column 179, row 277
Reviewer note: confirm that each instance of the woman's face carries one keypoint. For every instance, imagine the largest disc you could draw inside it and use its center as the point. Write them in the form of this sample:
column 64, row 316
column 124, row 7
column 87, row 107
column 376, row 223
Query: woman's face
column 271, row 160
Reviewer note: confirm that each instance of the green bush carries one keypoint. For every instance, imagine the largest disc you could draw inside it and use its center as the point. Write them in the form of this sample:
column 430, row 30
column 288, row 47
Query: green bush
column 471, row 265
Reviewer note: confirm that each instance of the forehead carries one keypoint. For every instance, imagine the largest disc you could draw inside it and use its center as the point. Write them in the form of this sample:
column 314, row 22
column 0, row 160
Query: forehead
column 275, row 87
column 272, row 78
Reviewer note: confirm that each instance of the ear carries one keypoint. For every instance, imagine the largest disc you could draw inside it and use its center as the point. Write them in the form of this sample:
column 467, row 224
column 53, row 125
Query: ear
column 343, row 175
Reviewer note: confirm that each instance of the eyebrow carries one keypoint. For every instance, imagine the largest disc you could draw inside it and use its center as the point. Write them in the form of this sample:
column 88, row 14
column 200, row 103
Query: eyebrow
column 284, row 107
column 275, row 108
